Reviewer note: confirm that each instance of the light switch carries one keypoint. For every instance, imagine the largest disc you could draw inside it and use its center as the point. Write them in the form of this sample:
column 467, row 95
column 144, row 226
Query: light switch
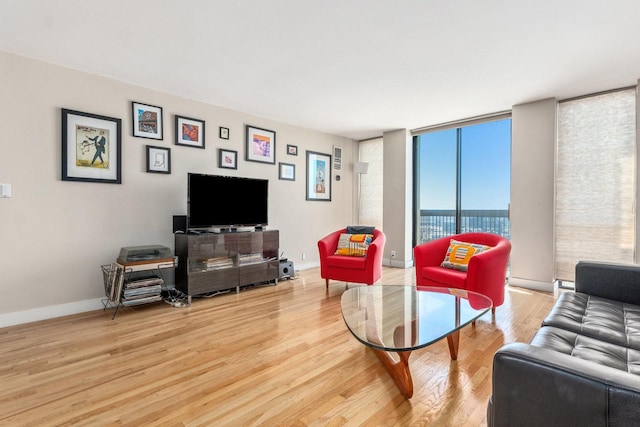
column 5, row 190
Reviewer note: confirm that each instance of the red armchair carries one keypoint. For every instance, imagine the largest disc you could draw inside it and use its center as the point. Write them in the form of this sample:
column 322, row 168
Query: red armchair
column 486, row 273
column 353, row 269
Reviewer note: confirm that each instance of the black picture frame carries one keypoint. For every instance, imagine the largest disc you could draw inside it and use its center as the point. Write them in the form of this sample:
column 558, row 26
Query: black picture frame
column 318, row 176
column 158, row 159
column 227, row 159
column 292, row 150
column 86, row 140
column 287, row 171
column 190, row 132
column 224, row 133
column 147, row 120
column 260, row 145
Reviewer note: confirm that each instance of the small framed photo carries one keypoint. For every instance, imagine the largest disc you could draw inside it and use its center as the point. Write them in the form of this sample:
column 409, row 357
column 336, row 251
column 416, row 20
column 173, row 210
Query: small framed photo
column 260, row 145
column 147, row 120
column 189, row 132
column 224, row 133
column 287, row 171
column 91, row 147
column 158, row 159
column 292, row 150
column 227, row 159
column 318, row 176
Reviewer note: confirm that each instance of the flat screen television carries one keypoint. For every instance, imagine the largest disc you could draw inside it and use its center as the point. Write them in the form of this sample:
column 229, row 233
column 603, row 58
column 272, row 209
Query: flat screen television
column 226, row 202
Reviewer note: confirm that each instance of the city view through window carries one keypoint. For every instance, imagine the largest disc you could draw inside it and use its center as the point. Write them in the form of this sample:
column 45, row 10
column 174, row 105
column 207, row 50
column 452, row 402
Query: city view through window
column 463, row 180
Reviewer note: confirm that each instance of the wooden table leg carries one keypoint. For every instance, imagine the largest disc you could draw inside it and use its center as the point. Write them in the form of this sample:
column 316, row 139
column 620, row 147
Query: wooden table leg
column 453, row 340
column 399, row 370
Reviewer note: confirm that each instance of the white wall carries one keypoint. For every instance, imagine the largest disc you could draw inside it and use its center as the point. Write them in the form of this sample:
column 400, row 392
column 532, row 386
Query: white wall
column 56, row 234
column 397, row 197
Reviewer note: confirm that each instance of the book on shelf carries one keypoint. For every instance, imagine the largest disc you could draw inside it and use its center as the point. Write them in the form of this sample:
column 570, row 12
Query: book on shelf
column 143, row 281
column 109, row 273
column 147, row 290
column 250, row 258
column 217, row 262
column 118, row 283
column 145, row 300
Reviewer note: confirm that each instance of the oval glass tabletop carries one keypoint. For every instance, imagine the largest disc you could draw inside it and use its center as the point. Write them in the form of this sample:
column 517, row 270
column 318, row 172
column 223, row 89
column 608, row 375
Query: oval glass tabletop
column 406, row 318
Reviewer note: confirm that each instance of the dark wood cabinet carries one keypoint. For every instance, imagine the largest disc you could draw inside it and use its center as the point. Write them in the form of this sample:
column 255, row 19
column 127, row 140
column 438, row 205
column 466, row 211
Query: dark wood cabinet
column 213, row 262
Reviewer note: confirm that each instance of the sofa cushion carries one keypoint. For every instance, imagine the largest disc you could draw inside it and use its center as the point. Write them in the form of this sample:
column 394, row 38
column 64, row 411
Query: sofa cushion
column 604, row 319
column 586, row 348
column 354, row 244
column 459, row 253
column 445, row 276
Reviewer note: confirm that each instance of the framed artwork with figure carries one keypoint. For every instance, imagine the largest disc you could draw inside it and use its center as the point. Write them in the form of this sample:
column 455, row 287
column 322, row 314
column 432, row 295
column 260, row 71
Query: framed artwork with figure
column 91, row 147
column 318, row 176
column 260, row 145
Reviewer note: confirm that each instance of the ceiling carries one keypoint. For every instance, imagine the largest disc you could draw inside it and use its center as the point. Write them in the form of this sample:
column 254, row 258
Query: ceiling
column 354, row 68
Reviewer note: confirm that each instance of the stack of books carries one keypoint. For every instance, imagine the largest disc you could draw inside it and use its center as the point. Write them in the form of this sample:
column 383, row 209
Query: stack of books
column 250, row 258
column 142, row 291
column 217, row 262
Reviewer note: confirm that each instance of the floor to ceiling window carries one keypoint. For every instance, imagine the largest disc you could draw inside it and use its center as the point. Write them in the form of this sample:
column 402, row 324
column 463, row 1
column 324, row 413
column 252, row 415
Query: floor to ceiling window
column 462, row 179
column 595, row 180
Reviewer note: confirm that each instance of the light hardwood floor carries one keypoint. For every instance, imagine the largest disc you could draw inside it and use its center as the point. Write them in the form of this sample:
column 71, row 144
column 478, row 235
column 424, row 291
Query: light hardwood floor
column 274, row 356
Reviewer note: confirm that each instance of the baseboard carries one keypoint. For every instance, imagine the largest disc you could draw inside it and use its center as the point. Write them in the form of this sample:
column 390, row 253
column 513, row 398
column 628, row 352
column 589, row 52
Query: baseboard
column 49, row 312
column 397, row 263
column 307, row 265
column 531, row 284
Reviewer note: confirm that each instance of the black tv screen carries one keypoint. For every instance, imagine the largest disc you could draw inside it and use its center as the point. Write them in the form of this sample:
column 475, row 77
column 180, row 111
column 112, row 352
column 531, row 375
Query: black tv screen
column 215, row 201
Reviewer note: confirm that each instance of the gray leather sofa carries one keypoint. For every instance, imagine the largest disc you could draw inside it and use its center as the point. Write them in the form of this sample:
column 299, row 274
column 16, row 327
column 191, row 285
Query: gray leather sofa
column 582, row 367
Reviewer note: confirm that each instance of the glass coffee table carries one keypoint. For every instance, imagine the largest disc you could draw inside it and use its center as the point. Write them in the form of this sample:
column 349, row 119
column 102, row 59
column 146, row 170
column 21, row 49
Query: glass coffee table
column 399, row 319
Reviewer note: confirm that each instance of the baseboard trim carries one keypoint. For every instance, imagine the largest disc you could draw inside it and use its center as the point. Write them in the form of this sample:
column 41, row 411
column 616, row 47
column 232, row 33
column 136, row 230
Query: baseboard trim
column 49, row 312
column 531, row 284
column 397, row 263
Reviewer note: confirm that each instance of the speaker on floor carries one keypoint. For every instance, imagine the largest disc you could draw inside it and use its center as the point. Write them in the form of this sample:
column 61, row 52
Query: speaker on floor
column 180, row 223
column 286, row 270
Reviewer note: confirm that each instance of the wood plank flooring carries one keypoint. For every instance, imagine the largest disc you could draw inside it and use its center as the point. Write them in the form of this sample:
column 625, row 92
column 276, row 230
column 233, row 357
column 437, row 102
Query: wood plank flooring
column 273, row 356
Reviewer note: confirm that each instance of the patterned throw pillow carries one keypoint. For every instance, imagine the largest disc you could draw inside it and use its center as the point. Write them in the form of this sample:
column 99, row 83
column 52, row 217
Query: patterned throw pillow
column 459, row 254
column 354, row 244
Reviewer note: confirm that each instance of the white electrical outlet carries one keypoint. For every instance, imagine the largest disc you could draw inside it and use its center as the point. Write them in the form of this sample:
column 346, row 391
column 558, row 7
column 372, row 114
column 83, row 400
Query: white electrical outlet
column 303, row 256
column 393, row 254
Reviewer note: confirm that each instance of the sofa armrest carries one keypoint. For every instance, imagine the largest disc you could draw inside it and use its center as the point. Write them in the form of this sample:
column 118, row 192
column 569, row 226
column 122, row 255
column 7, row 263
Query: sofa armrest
column 431, row 253
column 328, row 244
column 620, row 282
column 534, row 386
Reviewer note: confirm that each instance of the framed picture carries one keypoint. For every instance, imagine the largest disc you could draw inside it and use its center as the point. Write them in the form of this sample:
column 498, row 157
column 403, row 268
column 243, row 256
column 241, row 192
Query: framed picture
column 287, row 171
column 260, row 145
column 158, row 159
column 227, row 159
column 91, row 147
column 318, row 176
column 189, row 132
column 147, row 120
column 292, row 150
column 224, row 133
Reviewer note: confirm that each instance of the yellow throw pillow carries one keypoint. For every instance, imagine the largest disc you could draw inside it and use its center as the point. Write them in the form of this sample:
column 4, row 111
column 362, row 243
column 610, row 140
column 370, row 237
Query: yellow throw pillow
column 354, row 244
column 459, row 254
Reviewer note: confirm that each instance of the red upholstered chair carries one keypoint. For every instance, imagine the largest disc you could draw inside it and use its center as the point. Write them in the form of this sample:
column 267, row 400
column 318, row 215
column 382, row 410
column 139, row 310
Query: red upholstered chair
column 486, row 272
column 353, row 269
